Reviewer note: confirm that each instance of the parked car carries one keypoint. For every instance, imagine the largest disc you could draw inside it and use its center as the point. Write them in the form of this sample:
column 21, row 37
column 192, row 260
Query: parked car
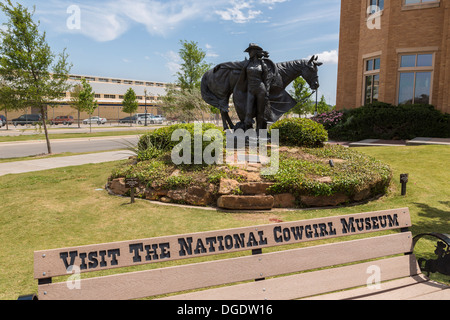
column 62, row 120
column 95, row 119
column 32, row 119
column 132, row 119
column 157, row 119
column 141, row 118
column 2, row 120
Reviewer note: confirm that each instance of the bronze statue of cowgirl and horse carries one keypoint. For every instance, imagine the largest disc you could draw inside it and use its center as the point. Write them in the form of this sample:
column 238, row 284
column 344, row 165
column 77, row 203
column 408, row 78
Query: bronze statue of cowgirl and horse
column 258, row 86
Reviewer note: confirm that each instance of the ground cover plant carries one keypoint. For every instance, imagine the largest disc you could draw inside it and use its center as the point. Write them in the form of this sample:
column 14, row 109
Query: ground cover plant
column 69, row 207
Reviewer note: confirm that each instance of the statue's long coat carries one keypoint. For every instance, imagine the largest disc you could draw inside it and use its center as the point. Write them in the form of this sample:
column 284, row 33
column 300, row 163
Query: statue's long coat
column 231, row 78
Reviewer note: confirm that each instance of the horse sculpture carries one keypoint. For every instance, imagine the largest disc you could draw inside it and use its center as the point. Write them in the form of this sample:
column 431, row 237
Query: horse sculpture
column 234, row 78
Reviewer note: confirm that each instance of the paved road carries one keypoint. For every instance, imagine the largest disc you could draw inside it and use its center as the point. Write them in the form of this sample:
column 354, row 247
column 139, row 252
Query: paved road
column 78, row 145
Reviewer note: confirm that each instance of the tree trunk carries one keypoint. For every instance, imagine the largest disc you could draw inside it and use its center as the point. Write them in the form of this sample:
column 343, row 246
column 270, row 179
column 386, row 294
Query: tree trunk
column 44, row 122
column 79, row 125
column 6, row 116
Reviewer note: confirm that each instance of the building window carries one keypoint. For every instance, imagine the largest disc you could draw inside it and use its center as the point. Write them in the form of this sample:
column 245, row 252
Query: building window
column 416, row 72
column 420, row 4
column 110, row 96
column 376, row 5
column 371, row 80
column 97, row 96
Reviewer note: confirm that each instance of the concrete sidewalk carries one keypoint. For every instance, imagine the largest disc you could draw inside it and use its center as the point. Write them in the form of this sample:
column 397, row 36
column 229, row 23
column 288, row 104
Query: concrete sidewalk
column 61, row 162
column 400, row 143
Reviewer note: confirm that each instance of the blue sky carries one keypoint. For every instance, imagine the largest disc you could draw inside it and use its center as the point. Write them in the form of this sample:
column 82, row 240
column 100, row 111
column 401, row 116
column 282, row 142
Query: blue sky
column 140, row 39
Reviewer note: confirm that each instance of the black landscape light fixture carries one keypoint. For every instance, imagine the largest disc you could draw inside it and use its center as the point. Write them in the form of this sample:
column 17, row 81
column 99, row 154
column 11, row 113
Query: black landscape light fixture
column 404, row 177
column 331, row 163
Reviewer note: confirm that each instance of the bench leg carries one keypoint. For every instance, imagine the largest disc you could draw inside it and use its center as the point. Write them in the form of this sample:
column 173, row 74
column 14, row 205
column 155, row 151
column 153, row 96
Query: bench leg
column 30, row 297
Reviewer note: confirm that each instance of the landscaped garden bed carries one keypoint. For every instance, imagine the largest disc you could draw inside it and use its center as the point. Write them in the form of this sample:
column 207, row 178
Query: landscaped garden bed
column 319, row 176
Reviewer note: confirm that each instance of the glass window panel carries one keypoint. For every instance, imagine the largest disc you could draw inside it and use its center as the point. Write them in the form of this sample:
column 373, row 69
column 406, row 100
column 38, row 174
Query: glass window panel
column 408, row 61
column 376, row 85
column 369, row 65
column 406, row 88
column 376, row 65
column 381, row 4
column 423, row 86
column 368, row 90
column 424, row 60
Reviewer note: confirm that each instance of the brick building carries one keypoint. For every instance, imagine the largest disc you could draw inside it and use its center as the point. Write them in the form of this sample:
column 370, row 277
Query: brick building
column 395, row 51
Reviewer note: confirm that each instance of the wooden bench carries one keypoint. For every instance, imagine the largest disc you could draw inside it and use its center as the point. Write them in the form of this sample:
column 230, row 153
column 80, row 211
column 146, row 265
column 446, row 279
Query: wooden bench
column 362, row 264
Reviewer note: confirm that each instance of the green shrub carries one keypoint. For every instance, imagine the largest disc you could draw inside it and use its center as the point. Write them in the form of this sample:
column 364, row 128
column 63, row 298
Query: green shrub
column 301, row 132
column 385, row 121
column 153, row 144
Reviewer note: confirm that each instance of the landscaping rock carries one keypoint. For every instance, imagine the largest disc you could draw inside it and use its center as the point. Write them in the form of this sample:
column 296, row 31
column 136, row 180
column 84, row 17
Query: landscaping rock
column 117, row 186
column 362, row 195
column 177, row 195
column 261, row 202
column 228, row 186
column 285, row 200
column 254, row 188
column 325, row 201
column 200, row 196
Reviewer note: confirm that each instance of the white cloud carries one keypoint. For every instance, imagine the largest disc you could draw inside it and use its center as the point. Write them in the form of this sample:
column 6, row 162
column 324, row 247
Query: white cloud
column 240, row 12
column 173, row 61
column 328, row 57
column 210, row 52
column 110, row 19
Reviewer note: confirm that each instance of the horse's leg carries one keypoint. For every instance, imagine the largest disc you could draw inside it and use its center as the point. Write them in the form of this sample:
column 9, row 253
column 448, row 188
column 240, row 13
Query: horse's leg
column 224, row 120
column 228, row 120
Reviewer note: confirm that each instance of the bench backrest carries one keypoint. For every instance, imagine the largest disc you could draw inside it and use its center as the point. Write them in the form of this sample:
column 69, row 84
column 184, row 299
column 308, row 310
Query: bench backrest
column 132, row 285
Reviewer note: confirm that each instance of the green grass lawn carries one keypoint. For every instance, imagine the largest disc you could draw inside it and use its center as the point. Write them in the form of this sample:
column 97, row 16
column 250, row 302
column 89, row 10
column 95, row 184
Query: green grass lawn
column 63, row 208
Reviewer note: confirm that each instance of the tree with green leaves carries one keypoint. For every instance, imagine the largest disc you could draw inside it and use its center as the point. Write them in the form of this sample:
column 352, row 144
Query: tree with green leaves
column 322, row 106
column 28, row 66
column 86, row 100
column 7, row 101
column 193, row 67
column 130, row 103
column 75, row 101
column 302, row 94
column 187, row 104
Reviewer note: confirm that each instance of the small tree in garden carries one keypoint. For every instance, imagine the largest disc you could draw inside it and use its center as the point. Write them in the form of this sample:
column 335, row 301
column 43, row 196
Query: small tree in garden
column 86, row 100
column 130, row 103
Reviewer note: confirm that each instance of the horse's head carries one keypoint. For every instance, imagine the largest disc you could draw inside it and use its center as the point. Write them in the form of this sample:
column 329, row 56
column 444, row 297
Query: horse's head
column 311, row 72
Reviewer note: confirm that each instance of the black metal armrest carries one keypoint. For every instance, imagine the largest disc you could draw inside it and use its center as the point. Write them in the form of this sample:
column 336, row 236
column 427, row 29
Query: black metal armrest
column 442, row 263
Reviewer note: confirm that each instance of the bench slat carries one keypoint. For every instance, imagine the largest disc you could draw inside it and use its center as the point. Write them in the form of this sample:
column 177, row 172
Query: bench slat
column 201, row 275
column 438, row 295
column 366, row 293
column 52, row 263
column 309, row 284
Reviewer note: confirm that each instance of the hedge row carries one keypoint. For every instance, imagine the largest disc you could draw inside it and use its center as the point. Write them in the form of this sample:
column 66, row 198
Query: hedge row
column 385, row 121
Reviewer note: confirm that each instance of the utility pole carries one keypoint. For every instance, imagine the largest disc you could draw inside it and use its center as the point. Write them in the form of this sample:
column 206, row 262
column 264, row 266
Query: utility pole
column 145, row 94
